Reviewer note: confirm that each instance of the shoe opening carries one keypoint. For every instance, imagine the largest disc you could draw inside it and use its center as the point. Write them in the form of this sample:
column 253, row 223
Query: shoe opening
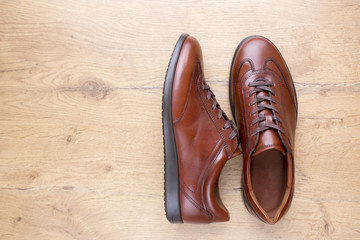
column 269, row 179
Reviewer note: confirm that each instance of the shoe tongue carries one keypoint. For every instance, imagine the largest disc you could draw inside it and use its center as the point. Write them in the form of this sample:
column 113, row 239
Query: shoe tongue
column 269, row 139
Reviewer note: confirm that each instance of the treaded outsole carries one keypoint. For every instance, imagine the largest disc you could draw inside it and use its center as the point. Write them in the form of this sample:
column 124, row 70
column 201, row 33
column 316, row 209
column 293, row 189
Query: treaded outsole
column 171, row 171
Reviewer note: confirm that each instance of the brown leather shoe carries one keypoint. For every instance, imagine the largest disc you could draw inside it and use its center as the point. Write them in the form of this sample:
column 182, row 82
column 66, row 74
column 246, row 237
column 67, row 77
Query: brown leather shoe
column 264, row 105
column 198, row 139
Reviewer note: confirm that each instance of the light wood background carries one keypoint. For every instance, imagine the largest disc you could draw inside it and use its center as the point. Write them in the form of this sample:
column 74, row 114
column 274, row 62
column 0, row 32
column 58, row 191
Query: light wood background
column 81, row 151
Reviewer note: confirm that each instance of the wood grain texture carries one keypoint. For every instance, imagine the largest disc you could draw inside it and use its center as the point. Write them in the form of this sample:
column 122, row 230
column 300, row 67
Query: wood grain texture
column 81, row 152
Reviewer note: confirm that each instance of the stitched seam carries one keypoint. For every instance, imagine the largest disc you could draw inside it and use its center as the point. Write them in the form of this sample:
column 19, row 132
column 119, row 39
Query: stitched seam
column 268, row 145
column 202, row 172
column 238, row 71
column 195, row 204
column 198, row 92
column 283, row 110
column 197, row 96
column 278, row 78
column 212, row 118
column 188, row 95
column 242, row 85
column 283, row 77
column 207, row 172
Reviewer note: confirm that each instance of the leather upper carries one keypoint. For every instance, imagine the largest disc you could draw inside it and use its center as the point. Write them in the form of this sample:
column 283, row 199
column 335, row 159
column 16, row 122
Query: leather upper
column 203, row 145
column 257, row 58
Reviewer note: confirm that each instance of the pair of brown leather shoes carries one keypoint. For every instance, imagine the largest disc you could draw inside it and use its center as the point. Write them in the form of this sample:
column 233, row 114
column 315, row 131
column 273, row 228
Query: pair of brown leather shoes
column 199, row 138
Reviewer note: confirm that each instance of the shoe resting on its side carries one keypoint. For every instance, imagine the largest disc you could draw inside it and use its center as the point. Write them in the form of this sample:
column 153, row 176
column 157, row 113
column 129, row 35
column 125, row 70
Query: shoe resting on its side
column 198, row 139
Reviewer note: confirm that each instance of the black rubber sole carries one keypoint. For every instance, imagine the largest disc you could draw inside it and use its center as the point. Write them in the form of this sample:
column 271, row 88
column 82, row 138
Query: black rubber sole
column 232, row 62
column 171, row 167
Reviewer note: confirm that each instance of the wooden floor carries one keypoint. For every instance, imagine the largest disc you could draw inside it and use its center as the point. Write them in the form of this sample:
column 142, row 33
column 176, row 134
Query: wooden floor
column 81, row 148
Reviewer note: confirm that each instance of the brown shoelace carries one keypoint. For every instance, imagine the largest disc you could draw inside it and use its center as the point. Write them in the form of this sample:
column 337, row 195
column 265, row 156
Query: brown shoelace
column 229, row 123
column 263, row 85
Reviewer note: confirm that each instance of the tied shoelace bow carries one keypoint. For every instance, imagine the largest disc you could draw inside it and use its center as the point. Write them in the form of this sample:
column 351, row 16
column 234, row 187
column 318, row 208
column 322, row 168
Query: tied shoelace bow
column 229, row 123
column 263, row 85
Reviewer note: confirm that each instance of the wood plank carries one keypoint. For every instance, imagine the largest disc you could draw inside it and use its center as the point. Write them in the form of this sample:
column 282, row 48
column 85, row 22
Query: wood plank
column 81, row 148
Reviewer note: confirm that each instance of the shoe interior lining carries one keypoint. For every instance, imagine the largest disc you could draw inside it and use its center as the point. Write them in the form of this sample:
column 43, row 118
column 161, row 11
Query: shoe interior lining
column 269, row 179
